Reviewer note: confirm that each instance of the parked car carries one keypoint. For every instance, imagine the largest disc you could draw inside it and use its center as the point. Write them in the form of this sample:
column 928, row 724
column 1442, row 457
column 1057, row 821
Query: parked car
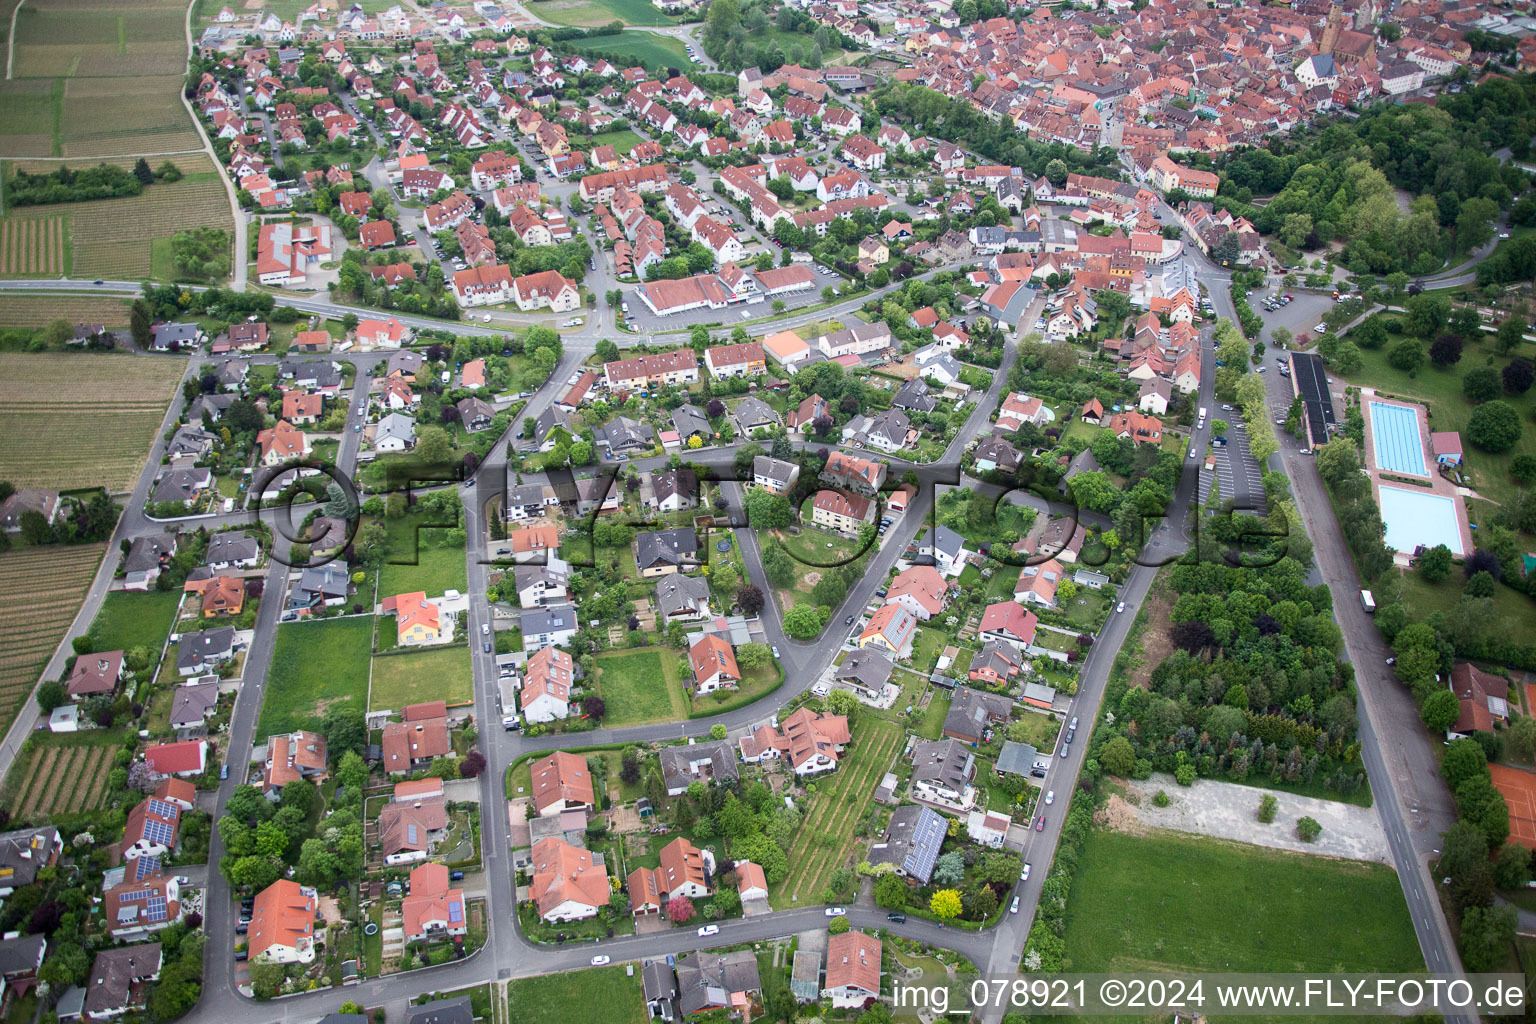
column 241, row 954
column 775, row 652
column 224, row 771
column 1040, row 823
column 898, row 918
column 837, row 911
column 1024, row 875
column 1050, row 797
column 599, row 960
column 242, row 927
column 1120, row 607
column 708, row 930
column 485, row 628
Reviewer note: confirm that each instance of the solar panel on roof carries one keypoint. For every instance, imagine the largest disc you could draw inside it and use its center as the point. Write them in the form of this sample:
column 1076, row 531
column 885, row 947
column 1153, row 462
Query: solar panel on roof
column 161, row 808
column 155, row 909
column 455, row 913
column 159, row 832
column 145, row 867
column 134, row 896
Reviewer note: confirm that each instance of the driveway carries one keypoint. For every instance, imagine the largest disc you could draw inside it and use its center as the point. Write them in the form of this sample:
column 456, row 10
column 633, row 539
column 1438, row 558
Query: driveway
column 1227, row 810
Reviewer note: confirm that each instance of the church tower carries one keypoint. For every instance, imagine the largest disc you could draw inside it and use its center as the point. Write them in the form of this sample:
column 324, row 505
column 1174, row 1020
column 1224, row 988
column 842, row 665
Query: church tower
column 1333, row 28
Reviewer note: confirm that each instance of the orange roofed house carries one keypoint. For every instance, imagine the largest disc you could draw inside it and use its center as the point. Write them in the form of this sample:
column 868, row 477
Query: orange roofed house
column 714, row 664
column 415, row 742
column 684, row 871
column 291, row 757
column 567, row 884
column 432, row 908
column 811, row 742
column 417, row 620
column 282, row 928
column 561, row 782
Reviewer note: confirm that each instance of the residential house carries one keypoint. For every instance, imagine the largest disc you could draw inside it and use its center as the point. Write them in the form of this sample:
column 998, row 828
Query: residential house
column 945, row 547
column 568, row 883
column 942, row 771
column 812, row 743
column 550, row 626
column 546, row 692
column 921, row 589
column 1484, row 699
column 892, row 629
column 291, row 757
column 774, row 474
column 94, row 674
column 660, row 552
column 866, row 671
column 282, row 926
column 710, row 761
column 119, row 977
column 417, row 620
column 433, row 908
column 714, row 665
column 682, row 598
column 972, row 713
column 841, row 511
column 853, row 969
column 911, row 844
column 1008, row 622
column 561, row 782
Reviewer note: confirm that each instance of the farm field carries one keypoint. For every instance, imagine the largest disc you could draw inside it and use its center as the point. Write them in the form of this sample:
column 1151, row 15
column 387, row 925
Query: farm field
column 1164, row 902
column 436, row 674
column 648, row 48
column 29, row 113
column 40, row 591
column 317, row 668
column 62, row 774
column 35, row 309
column 95, row 433
column 58, row 39
column 129, row 238
column 121, row 116
column 826, row 835
column 36, row 243
column 601, row 995
column 639, row 687
column 131, row 618
column 587, row 13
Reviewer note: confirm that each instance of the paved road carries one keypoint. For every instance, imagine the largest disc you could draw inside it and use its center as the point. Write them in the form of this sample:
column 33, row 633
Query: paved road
column 238, row 268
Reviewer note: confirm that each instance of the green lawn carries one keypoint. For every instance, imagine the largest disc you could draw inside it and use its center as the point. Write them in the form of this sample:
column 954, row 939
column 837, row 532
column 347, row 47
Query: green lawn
column 656, row 52
column 1440, row 391
column 932, row 723
column 588, row 13
column 640, row 686
column 317, row 668
column 926, row 648
column 1514, row 610
column 421, row 558
column 1185, row 903
column 441, row 673
column 601, row 995
column 756, row 683
column 130, row 618
column 623, row 141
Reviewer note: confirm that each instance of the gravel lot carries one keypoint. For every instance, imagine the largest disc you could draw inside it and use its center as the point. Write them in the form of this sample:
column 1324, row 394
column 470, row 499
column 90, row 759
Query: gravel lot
column 1227, row 810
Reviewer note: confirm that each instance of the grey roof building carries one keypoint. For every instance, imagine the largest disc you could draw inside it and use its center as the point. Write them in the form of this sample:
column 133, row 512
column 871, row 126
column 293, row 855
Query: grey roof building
column 912, row 842
column 805, row 977
column 944, row 765
column 706, row 981
column 714, row 761
column 181, row 484
column 191, row 441
column 1015, row 758
column 625, row 435
column 443, row 1011
column 232, row 548
column 689, row 420
column 1082, row 462
column 660, row 549
column 659, row 983
column 198, row 651
column 679, row 596
column 23, row 853
column 22, row 956
column 972, row 712
column 114, row 974
column 915, row 396
column 191, row 705
column 755, row 414
column 866, row 667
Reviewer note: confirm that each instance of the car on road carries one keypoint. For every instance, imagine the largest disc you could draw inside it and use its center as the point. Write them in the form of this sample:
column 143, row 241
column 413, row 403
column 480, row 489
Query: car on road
column 837, row 911
column 708, row 930
column 486, row 647
column 775, row 651
column 224, row 771
column 1193, row 453
column 1050, row 797
column 1024, row 874
column 1305, row 451
column 848, row 621
column 599, row 960
column 1224, row 408
column 486, row 319
column 100, row 281
column 485, row 628
column 1320, row 329
column 1261, row 369
column 898, row 918
column 1015, row 908
column 1502, row 234
column 1120, row 607
column 1040, row 823
column 1074, row 723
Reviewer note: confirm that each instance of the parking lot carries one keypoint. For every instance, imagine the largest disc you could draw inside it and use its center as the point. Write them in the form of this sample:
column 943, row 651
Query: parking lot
column 1299, row 317
column 1237, row 473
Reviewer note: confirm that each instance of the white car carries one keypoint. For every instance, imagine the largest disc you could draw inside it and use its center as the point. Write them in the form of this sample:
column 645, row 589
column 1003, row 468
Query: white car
column 1120, row 607
column 821, row 689
column 599, row 960
column 1193, row 453
column 1015, row 908
column 837, row 911
column 485, row 629
column 708, row 930
column 1024, row 875
column 486, row 319
column 1050, row 797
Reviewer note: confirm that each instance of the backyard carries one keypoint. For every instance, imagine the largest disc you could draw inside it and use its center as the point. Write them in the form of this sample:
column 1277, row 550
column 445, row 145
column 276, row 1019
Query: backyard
column 412, row 677
column 640, row 686
column 827, row 834
column 134, row 618
column 62, row 774
column 317, row 668
column 422, row 558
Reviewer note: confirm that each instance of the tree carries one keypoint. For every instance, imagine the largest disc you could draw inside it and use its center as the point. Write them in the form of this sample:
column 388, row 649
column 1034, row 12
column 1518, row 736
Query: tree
column 472, row 765
column 1435, row 564
column 891, row 892
column 838, row 926
column 52, row 694
column 1308, row 829
column 1518, row 376
column 1512, row 869
column 949, row 869
column 1463, row 759
column 802, row 622
column 1407, row 355
column 1486, row 936
column 433, row 446
column 1056, row 172
column 1445, row 350
column 680, row 910
column 67, row 964
column 1481, row 384
column 1118, row 757
column 1494, row 426
column 1481, row 584
column 946, row 904
column 750, row 598
column 1522, row 737
column 1510, row 333
column 1267, row 807
column 1440, row 711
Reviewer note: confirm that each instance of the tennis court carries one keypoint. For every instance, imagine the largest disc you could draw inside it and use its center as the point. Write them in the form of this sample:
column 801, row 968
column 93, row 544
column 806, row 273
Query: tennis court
column 1519, row 791
column 1399, row 448
column 1415, row 517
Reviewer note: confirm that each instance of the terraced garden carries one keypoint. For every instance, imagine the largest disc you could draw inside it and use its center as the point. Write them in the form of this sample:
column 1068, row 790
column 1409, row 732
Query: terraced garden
column 826, row 836
column 40, row 592
column 96, row 433
column 64, row 775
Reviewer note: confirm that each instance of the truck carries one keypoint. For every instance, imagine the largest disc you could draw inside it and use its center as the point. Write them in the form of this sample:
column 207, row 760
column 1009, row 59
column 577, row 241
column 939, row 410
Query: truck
column 506, row 697
column 1367, row 602
column 1201, row 424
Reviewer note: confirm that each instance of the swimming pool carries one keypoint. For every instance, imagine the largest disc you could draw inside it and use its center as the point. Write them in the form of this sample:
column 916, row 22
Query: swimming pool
column 1415, row 517
column 1395, row 433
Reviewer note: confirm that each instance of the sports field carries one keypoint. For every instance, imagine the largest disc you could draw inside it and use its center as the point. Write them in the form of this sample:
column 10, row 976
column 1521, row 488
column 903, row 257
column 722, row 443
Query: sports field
column 589, row 13
column 647, row 48
column 40, row 592
column 1519, row 791
column 96, row 432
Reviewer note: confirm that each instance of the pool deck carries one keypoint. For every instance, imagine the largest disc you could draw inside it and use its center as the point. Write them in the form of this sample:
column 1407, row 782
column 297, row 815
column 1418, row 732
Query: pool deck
column 1434, row 483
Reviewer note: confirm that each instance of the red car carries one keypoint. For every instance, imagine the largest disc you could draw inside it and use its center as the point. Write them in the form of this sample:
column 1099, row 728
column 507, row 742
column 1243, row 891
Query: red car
column 1040, row 824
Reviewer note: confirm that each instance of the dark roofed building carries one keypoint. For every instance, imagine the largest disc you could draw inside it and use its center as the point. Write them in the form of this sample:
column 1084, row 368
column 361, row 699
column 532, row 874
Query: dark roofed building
column 912, row 842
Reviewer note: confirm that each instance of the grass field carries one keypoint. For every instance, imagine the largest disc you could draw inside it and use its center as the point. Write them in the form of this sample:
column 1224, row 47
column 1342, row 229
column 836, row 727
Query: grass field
column 1514, row 610
column 132, row 618
column 36, row 310
column 640, row 686
column 1161, row 902
column 420, row 558
column 588, row 13
column 826, row 835
column 1440, row 390
column 94, row 433
column 439, row 674
column 647, row 48
column 62, row 774
column 601, row 995
column 36, row 244
column 40, row 592
column 622, row 142
column 317, row 668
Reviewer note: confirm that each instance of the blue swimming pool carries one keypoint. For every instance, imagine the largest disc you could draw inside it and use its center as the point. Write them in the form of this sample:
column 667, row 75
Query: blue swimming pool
column 1395, row 433
column 1415, row 517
